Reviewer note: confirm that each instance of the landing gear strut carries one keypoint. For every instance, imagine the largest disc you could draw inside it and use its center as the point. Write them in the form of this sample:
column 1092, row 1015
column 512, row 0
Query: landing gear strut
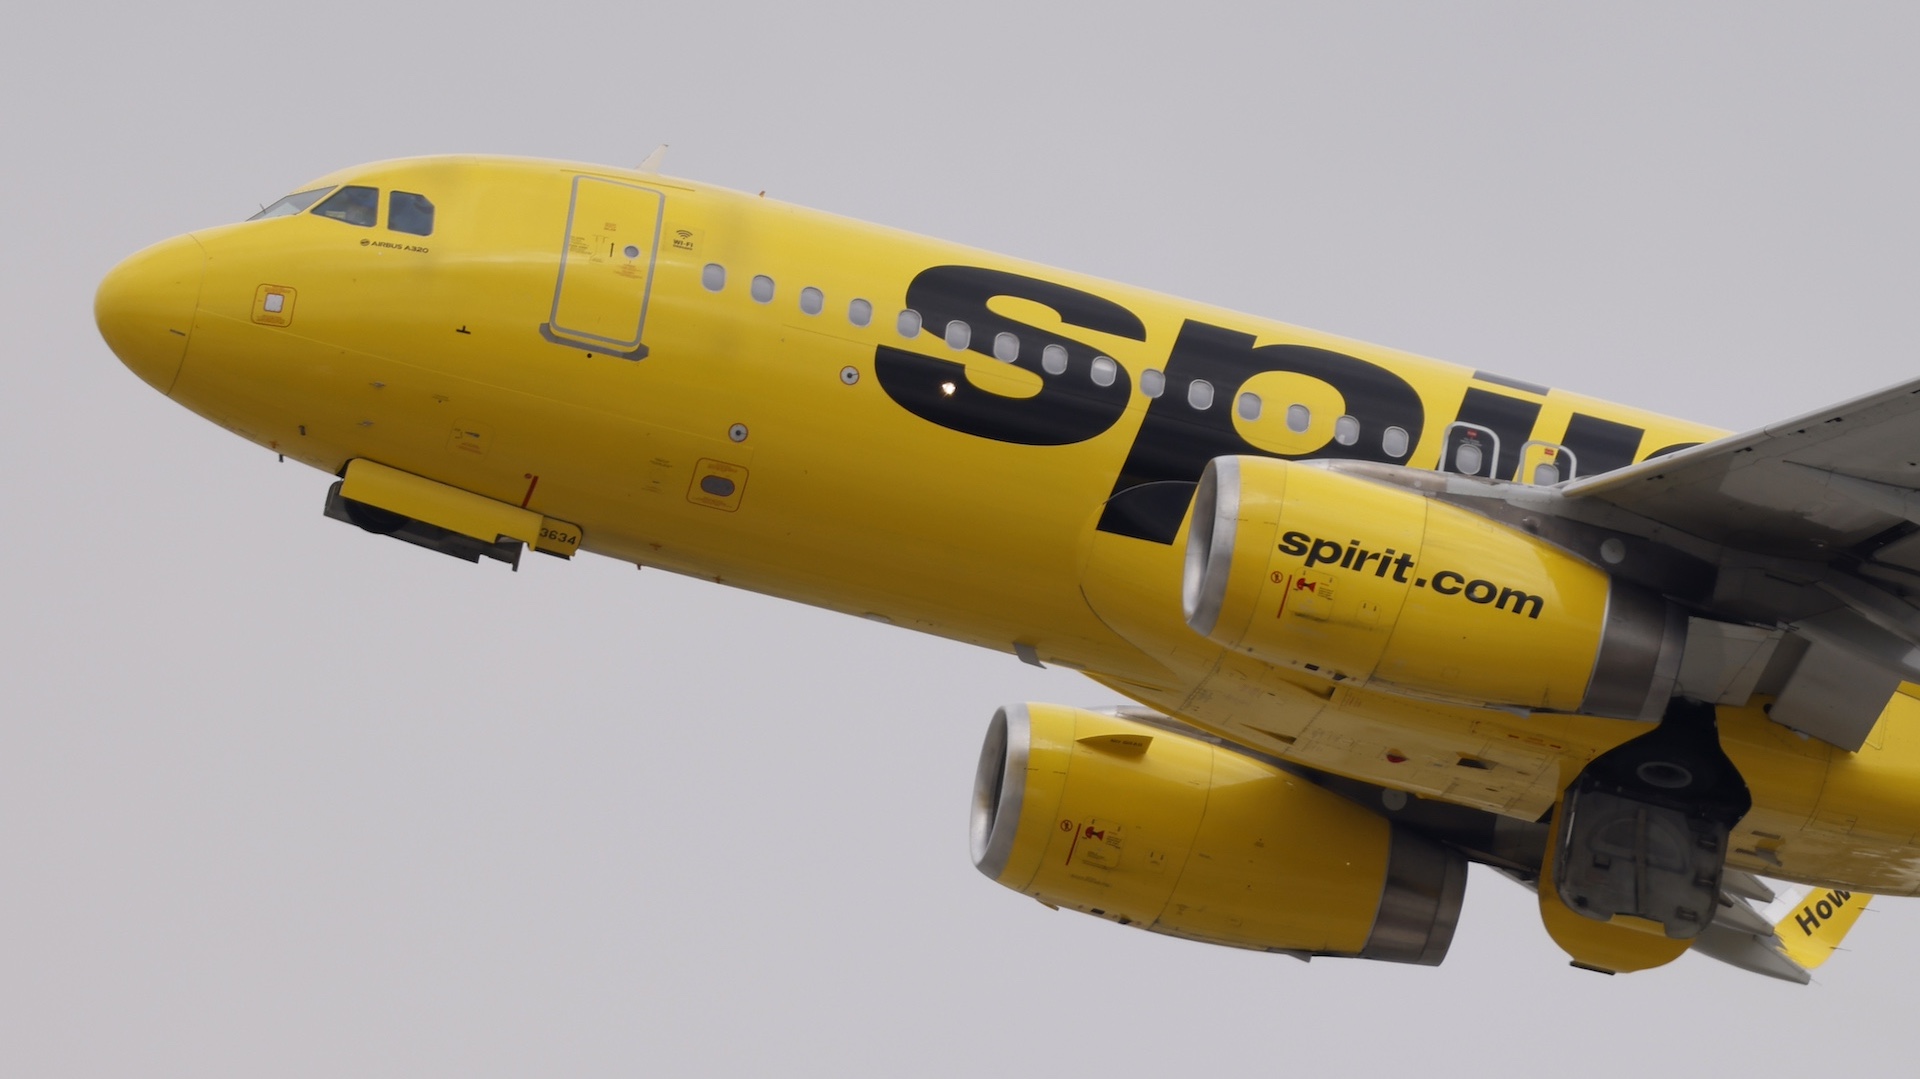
column 1644, row 828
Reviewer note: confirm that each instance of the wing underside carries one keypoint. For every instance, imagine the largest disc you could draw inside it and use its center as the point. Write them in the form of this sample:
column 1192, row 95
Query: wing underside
column 1813, row 528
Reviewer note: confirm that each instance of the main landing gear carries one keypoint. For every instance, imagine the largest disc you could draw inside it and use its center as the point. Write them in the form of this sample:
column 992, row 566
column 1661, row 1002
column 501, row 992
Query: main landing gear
column 1642, row 831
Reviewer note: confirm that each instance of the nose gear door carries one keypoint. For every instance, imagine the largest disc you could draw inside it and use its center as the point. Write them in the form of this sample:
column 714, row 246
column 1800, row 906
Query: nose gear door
column 606, row 267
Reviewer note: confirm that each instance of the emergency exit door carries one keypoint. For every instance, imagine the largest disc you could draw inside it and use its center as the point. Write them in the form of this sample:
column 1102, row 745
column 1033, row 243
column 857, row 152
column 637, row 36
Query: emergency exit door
column 606, row 267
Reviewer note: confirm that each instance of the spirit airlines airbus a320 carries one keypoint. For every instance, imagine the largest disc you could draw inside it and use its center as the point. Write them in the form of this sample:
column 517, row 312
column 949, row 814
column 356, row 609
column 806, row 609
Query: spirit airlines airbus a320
column 1379, row 616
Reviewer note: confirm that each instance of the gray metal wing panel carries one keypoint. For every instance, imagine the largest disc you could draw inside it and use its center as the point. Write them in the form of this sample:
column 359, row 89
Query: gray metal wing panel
column 1772, row 490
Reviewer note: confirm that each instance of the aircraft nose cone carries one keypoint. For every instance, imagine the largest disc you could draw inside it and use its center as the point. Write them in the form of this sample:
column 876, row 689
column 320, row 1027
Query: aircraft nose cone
column 145, row 308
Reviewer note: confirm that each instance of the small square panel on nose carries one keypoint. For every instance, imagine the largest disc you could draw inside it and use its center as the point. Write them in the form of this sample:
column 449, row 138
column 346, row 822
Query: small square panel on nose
column 273, row 305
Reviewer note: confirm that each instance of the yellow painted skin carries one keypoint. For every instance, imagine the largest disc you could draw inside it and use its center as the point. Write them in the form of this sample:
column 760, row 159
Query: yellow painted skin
column 1171, row 834
column 1811, row 931
column 1302, row 601
column 755, row 445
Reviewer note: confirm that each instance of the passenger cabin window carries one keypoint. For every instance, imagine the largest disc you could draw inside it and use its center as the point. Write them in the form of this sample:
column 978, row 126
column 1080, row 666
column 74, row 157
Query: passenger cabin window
column 355, row 205
column 1470, row 449
column 409, row 213
column 292, row 204
column 859, row 312
column 1547, row 462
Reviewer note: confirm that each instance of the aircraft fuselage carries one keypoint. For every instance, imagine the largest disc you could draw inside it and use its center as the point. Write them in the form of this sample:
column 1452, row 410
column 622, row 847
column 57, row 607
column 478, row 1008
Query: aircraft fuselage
column 920, row 433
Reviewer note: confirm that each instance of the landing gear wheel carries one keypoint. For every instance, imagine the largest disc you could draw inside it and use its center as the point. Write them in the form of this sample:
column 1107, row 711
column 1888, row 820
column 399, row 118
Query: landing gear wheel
column 1644, row 829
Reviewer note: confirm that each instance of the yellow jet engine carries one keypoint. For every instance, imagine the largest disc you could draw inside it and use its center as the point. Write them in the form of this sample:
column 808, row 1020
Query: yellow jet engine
column 1363, row 581
column 1145, row 823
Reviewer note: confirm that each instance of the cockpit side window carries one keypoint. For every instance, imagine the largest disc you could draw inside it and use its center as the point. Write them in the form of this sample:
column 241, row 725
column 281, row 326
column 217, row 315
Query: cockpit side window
column 409, row 213
column 354, row 205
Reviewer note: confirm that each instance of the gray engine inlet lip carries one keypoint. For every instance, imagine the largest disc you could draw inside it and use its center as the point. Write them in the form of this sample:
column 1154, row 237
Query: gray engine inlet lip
column 1209, row 557
column 999, row 786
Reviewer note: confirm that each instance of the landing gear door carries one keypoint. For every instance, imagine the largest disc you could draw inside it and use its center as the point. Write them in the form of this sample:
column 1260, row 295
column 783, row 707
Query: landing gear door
column 606, row 267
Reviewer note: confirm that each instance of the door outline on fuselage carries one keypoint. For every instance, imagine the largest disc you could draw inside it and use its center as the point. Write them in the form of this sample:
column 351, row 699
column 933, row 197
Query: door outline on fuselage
column 1489, row 466
column 1551, row 449
column 578, row 253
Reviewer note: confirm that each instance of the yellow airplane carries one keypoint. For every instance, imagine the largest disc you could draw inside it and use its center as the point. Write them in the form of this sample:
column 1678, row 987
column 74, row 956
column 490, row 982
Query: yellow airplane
column 1380, row 616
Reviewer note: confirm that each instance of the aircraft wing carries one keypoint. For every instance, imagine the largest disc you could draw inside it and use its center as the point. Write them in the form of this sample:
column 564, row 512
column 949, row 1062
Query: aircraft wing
column 1788, row 936
column 1814, row 525
column 1810, row 488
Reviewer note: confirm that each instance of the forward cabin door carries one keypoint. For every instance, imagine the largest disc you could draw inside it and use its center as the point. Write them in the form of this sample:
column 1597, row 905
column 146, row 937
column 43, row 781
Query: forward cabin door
column 606, row 267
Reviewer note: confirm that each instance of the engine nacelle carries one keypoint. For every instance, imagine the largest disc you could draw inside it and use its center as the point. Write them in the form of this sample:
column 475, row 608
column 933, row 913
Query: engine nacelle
column 1148, row 825
column 1362, row 581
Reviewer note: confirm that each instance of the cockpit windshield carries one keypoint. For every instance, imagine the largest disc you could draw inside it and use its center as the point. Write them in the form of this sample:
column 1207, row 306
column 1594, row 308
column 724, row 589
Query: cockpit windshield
column 292, row 204
column 359, row 204
column 353, row 204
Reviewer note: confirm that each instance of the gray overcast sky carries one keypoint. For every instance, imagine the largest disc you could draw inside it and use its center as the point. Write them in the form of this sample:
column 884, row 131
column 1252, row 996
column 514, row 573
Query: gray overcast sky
column 279, row 798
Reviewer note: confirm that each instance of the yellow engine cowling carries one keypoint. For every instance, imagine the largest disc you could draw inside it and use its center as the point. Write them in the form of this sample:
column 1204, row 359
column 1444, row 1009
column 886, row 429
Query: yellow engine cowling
column 1362, row 581
column 1147, row 824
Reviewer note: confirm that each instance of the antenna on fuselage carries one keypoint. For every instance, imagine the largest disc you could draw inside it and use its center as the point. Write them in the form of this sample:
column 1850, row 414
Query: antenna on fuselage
column 652, row 163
